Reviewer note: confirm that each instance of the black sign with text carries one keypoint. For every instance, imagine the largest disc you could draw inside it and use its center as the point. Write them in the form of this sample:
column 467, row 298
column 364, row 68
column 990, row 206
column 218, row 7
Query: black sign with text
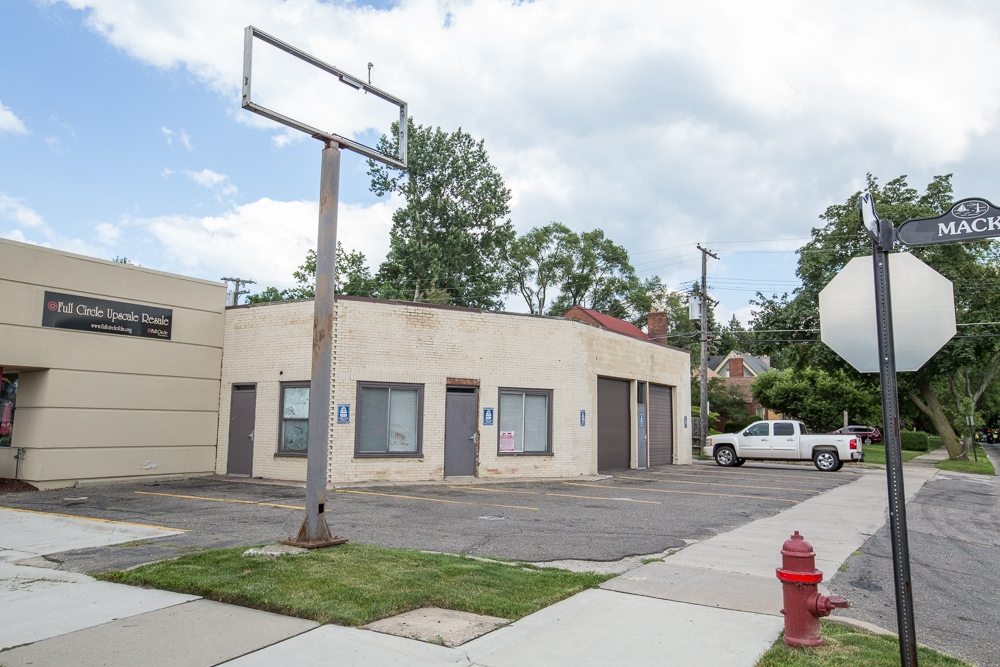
column 967, row 220
column 84, row 313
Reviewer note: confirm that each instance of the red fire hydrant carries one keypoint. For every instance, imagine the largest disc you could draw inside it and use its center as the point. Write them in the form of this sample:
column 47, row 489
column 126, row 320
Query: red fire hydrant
column 804, row 605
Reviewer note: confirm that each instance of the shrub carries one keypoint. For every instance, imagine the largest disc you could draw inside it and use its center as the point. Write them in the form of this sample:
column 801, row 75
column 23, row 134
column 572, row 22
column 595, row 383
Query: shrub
column 913, row 441
column 733, row 427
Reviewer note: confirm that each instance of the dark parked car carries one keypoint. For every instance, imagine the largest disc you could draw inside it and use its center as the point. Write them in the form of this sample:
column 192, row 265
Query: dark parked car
column 868, row 434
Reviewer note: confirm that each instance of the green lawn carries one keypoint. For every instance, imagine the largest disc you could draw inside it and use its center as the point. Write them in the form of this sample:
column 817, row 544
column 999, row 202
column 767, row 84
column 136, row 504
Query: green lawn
column 851, row 647
column 981, row 467
column 355, row 584
column 876, row 454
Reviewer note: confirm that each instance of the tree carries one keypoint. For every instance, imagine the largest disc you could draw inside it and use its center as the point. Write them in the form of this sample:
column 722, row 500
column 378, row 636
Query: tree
column 726, row 399
column 816, row 397
column 353, row 279
column 732, row 337
column 451, row 235
column 540, row 261
column 966, row 367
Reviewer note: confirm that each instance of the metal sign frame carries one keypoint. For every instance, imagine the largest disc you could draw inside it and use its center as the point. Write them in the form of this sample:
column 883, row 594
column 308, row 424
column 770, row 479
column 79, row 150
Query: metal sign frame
column 345, row 78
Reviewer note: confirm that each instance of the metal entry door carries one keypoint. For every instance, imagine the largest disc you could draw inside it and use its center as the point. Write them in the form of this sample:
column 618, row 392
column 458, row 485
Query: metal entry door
column 243, row 407
column 641, row 440
column 614, row 428
column 460, row 435
column 661, row 425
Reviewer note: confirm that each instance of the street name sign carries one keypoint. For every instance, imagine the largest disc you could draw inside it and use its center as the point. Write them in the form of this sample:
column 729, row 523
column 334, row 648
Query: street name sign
column 923, row 313
column 966, row 220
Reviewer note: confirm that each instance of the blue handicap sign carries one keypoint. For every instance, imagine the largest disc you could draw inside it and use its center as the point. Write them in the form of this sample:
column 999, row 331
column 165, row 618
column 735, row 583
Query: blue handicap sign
column 343, row 413
column 487, row 416
column 583, row 417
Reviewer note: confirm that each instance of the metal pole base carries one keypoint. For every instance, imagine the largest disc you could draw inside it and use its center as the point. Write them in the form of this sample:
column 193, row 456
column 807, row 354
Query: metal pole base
column 302, row 539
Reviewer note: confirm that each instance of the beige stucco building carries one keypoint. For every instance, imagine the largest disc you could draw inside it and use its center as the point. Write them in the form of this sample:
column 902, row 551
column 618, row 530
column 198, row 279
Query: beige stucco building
column 112, row 372
column 421, row 392
column 116, row 369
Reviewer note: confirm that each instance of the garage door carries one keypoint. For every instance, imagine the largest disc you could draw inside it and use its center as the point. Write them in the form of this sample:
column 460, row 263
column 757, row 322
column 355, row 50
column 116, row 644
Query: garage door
column 614, row 429
column 661, row 425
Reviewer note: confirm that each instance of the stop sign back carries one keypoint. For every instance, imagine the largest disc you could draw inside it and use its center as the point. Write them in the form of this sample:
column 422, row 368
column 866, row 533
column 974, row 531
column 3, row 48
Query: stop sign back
column 923, row 313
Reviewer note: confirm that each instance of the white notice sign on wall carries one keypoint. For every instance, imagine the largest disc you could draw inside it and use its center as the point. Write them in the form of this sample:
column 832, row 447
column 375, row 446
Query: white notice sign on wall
column 506, row 441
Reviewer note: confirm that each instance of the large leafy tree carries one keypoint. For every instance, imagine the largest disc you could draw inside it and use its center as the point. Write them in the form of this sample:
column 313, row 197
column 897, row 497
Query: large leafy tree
column 816, row 397
column 597, row 274
column 449, row 240
column 540, row 260
column 954, row 380
column 353, row 279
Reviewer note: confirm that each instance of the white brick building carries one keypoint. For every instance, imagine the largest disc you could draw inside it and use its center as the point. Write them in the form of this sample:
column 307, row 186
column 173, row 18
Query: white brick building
column 518, row 395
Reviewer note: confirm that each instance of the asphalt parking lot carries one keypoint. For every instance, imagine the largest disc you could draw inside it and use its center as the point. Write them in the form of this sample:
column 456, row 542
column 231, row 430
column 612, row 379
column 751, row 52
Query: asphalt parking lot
column 633, row 512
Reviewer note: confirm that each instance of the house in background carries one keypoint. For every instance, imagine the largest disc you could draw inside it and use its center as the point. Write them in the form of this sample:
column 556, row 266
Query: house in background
column 739, row 370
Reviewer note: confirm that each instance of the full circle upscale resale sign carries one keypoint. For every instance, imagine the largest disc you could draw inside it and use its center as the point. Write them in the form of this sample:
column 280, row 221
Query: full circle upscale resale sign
column 82, row 313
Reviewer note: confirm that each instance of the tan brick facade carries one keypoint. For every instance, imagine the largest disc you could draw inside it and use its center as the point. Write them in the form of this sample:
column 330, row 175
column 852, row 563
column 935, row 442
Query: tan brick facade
column 379, row 341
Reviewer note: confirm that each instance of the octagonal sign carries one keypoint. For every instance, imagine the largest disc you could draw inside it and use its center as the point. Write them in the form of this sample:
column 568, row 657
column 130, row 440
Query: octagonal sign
column 923, row 312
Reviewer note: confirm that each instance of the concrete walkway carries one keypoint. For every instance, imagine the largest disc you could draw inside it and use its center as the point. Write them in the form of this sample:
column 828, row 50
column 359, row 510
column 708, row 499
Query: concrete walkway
column 716, row 602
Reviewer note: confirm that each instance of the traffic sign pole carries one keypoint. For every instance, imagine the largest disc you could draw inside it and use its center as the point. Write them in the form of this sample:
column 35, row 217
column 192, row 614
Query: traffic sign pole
column 893, row 450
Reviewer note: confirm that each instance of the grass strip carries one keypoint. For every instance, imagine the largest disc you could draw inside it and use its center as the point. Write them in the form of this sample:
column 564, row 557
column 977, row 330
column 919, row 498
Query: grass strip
column 848, row 646
column 876, row 454
column 981, row 467
column 356, row 584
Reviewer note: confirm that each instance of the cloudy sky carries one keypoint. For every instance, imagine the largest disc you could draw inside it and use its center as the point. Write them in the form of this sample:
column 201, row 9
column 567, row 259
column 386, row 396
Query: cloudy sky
column 666, row 124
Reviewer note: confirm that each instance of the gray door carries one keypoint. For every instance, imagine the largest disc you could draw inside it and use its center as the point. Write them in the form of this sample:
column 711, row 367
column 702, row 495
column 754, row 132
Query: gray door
column 460, row 435
column 641, row 442
column 614, row 428
column 661, row 425
column 241, row 426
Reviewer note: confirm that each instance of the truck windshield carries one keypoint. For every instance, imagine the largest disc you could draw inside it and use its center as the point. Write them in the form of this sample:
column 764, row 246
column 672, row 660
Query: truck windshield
column 802, row 429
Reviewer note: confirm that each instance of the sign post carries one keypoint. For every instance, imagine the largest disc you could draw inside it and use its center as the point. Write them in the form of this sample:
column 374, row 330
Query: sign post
column 883, row 235
column 314, row 531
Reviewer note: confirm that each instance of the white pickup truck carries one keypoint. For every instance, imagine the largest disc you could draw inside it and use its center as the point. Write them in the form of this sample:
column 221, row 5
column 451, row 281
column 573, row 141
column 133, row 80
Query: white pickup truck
column 783, row 441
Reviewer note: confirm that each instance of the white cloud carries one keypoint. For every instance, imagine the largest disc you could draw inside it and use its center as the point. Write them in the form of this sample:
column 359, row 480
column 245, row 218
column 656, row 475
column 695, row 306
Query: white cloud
column 663, row 122
column 265, row 240
column 15, row 211
column 212, row 180
column 180, row 135
column 9, row 122
column 107, row 233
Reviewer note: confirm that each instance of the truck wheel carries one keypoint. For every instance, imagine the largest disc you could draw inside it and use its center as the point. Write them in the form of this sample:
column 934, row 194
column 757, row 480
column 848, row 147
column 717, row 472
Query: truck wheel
column 826, row 460
column 840, row 464
column 739, row 462
column 725, row 456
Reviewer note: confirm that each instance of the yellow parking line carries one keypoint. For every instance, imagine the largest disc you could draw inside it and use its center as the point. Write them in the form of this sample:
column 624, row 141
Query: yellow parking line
column 739, row 486
column 434, row 500
column 89, row 518
column 746, row 472
column 690, row 493
column 479, row 488
column 623, row 500
column 219, row 500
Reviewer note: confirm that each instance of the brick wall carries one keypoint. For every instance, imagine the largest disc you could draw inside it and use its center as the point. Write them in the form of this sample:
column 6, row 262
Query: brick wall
column 379, row 341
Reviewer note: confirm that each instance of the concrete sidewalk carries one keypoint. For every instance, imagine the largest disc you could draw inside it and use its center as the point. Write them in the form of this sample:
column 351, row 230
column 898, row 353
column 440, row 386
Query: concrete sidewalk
column 715, row 602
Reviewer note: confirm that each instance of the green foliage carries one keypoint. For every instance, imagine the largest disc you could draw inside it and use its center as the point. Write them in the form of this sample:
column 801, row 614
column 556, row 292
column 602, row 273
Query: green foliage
column 451, row 233
column 913, row 441
column 979, row 464
column 815, row 396
column 353, row 279
column 734, row 427
column 965, row 368
column 847, row 646
column 356, row 583
column 540, row 261
column 727, row 400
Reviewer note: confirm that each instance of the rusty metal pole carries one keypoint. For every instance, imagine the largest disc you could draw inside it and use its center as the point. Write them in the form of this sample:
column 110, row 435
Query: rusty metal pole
column 314, row 531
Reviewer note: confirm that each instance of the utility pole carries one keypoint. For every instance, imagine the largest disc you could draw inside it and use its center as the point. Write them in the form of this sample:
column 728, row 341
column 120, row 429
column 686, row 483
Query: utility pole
column 237, row 292
column 703, row 293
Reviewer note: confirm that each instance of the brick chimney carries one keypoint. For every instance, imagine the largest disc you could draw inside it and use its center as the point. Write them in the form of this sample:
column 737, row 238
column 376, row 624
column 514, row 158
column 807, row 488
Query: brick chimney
column 656, row 326
column 736, row 367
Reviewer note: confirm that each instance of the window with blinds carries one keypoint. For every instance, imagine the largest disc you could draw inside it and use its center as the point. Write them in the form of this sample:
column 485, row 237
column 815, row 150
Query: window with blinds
column 525, row 423
column 389, row 419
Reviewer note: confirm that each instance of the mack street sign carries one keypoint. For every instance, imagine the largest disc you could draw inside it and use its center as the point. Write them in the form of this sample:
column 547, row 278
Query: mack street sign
column 967, row 220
